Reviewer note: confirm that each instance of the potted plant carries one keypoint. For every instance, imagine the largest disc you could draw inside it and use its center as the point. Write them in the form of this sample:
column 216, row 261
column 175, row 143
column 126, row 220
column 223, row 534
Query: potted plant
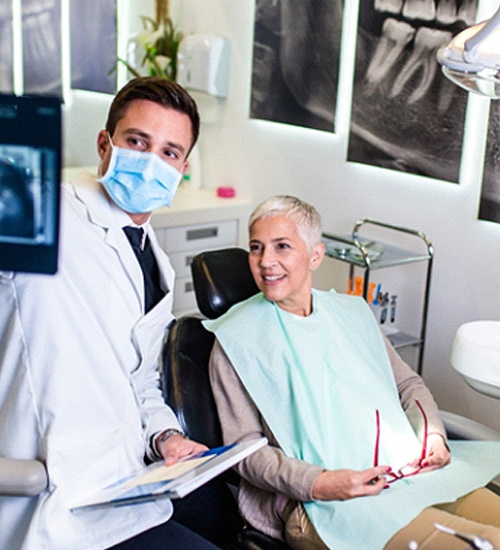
column 155, row 48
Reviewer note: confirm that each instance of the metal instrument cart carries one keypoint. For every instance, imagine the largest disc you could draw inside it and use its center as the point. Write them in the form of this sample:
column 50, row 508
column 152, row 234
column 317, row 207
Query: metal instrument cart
column 364, row 253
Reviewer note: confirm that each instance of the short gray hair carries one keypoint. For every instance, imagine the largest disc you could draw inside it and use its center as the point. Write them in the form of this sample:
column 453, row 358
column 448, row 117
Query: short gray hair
column 305, row 217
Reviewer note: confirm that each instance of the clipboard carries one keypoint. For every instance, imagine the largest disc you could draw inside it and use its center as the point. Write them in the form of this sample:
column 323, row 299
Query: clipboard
column 158, row 481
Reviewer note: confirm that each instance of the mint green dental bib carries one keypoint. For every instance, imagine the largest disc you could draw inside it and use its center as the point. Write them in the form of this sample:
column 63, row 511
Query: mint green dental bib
column 318, row 381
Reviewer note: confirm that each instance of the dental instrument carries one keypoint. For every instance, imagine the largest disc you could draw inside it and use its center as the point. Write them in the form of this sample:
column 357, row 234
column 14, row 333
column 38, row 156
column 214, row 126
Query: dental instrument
column 474, row 541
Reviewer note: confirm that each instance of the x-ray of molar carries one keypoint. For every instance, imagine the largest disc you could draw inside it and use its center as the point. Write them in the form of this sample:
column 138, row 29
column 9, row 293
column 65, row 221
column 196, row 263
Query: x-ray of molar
column 93, row 45
column 28, row 176
column 6, row 76
column 490, row 195
column 42, row 46
column 296, row 61
column 16, row 202
column 406, row 115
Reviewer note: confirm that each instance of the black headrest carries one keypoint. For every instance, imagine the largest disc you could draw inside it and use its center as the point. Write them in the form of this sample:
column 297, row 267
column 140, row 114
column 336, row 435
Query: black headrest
column 221, row 279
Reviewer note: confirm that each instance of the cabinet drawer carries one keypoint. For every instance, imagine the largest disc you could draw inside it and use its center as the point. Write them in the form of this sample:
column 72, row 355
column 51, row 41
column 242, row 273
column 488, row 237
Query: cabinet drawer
column 181, row 262
column 200, row 236
column 184, row 297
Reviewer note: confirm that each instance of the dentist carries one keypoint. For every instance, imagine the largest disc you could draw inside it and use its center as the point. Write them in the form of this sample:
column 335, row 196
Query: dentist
column 79, row 384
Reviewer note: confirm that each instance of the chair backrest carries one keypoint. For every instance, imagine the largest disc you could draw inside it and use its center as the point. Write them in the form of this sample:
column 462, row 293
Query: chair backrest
column 186, row 386
column 221, row 278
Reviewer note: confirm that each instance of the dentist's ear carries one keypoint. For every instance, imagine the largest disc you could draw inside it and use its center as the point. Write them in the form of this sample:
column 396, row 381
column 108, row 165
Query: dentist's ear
column 317, row 255
column 103, row 143
column 104, row 151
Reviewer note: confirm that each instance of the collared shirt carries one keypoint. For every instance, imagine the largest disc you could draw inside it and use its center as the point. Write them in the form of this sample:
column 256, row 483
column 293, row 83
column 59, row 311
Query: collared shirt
column 123, row 219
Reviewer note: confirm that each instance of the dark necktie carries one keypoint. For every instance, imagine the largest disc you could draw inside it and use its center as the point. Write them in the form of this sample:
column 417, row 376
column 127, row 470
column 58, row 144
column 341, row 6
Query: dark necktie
column 149, row 266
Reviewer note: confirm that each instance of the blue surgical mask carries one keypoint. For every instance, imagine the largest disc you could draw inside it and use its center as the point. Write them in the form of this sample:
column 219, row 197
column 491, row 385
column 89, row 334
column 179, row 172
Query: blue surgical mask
column 140, row 182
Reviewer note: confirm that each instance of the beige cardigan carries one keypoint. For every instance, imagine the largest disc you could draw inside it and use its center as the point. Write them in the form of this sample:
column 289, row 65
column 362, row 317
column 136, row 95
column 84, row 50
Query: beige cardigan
column 269, row 478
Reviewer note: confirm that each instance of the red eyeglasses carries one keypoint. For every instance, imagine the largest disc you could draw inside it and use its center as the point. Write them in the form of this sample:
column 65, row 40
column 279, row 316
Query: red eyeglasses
column 408, row 470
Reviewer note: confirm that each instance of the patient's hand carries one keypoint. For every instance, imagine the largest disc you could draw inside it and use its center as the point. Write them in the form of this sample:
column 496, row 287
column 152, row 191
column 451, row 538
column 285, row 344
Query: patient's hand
column 177, row 446
column 438, row 454
column 346, row 484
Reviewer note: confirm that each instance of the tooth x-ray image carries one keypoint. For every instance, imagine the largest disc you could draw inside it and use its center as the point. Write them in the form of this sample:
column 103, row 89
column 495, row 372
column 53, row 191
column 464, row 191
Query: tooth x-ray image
column 296, row 62
column 25, row 197
column 6, row 76
column 41, row 20
column 30, row 171
column 93, row 45
column 489, row 208
column 17, row 202
column 406, row 115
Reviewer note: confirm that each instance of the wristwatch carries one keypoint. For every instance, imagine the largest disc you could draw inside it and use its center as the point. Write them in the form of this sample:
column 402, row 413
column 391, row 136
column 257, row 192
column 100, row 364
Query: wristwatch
column 166, row 434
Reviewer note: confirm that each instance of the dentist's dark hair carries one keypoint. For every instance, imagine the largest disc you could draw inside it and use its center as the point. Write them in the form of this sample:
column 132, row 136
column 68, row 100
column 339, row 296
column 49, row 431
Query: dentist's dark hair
column 159, row 90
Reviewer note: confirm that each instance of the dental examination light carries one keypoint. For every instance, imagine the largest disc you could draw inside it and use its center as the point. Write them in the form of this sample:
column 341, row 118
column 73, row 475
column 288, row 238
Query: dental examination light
column 472, row 58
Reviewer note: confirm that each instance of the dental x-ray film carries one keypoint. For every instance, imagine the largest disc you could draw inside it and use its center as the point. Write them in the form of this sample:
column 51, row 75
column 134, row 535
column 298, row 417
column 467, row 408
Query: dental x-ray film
column 30, row 167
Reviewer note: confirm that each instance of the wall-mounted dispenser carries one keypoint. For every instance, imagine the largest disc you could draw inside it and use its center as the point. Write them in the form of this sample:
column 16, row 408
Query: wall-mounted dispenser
column 203, row 63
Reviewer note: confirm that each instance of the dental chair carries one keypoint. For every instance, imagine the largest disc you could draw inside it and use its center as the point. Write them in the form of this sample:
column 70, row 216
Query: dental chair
column 222, row 278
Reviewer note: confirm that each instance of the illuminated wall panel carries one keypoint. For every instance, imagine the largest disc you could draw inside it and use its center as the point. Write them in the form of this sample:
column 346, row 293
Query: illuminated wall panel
column 406, row 115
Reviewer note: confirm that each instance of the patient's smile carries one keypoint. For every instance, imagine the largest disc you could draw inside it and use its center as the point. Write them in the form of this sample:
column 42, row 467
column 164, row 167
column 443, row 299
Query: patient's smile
column 273, row 278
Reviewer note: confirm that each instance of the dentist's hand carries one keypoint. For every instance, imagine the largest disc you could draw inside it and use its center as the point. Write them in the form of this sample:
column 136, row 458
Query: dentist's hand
column 177, row 446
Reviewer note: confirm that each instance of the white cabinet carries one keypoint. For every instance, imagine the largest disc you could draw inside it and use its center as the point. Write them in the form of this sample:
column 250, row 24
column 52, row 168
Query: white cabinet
column 201, row 236
column 183, row 243
column 197, row 221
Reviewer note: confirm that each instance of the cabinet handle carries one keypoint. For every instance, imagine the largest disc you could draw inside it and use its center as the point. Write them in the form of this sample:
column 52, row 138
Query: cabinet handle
column 204, row 233
column 188, row 287
column 189, row 260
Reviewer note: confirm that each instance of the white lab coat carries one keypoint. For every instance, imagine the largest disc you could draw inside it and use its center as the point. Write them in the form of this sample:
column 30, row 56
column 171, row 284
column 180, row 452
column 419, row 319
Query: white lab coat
column 79, row 380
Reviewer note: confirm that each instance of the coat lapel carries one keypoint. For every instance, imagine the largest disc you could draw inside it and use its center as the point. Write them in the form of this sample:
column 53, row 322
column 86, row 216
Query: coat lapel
column 100, row 213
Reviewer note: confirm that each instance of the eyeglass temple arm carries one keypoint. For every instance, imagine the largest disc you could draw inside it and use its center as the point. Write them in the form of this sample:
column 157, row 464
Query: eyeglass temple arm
column 426, row 430
column 424, row 443
column 377, row 439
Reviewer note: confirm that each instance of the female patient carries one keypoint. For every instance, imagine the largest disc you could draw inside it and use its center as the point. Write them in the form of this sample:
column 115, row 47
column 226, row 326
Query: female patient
column 345, row 417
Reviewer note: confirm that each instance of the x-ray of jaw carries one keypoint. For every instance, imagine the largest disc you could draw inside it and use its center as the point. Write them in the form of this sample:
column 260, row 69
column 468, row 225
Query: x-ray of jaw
column 25, row 198
column 296, row 61
column 405, row 114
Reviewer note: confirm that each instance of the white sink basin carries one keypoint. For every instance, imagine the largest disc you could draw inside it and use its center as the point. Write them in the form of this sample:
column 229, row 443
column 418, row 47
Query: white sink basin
column 476, row 355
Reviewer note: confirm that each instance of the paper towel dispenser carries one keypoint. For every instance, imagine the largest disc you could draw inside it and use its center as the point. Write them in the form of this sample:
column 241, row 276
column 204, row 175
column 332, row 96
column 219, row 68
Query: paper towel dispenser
column 203, row 64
